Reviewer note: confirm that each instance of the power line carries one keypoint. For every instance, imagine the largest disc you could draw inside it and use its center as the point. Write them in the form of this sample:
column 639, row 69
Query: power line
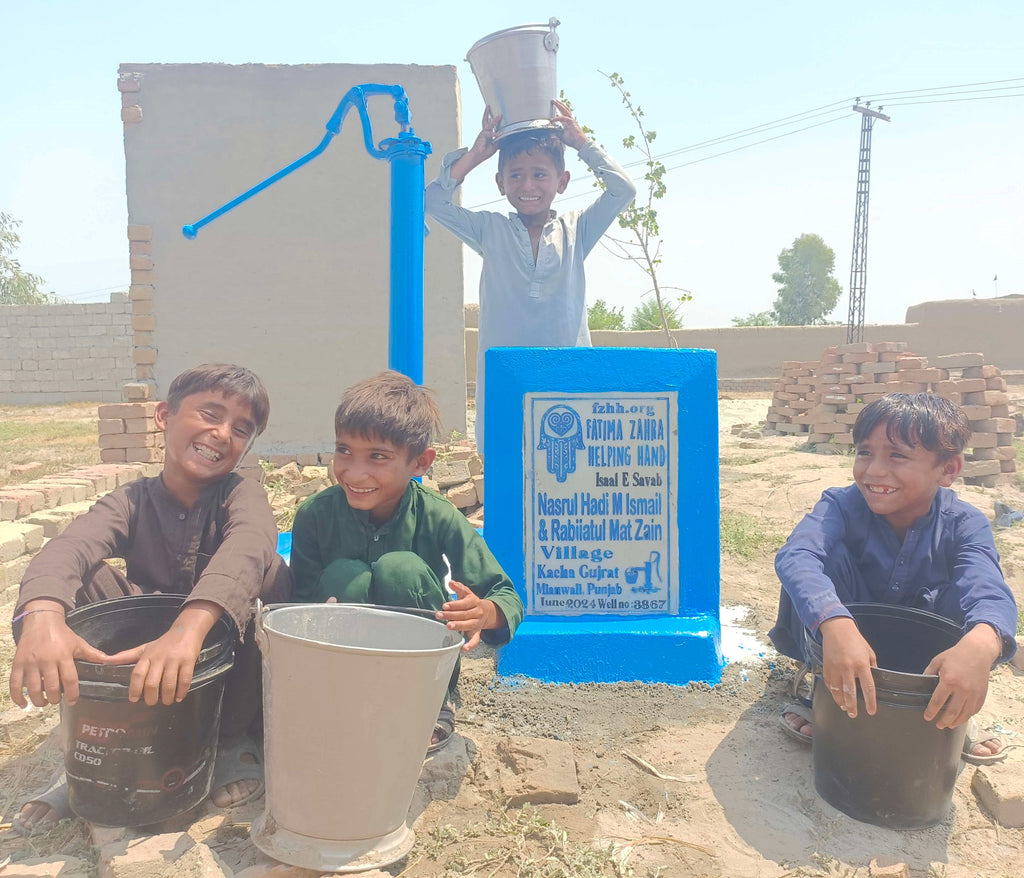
column 895, row 98
column 951, row 100
column 759, row 142
column 911, row 91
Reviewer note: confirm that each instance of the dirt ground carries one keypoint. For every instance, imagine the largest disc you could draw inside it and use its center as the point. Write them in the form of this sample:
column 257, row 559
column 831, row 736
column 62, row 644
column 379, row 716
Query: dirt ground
column 740, row 798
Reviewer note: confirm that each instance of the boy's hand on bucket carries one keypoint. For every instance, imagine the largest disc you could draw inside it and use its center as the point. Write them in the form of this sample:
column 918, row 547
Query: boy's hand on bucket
column 470, row 614
column 572, row 134
column 486, row 143
column 164, row 667
column 963, row 677
column 847, row 658
column 44, row 663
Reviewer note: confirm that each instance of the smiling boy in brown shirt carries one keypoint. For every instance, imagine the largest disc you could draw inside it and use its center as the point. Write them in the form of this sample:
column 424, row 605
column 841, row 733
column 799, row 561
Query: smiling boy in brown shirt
column 198, row 530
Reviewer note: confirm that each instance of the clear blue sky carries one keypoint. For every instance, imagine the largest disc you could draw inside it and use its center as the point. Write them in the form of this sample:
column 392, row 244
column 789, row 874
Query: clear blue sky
column 947, row 188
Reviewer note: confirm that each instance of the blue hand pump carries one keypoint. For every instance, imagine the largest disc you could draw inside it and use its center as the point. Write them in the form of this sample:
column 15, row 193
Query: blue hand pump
column 406, row 153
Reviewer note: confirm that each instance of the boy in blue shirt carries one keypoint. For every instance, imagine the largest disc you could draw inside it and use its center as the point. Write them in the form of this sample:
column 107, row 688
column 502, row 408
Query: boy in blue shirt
column 532, row 285
column 380, row 537
column 899, row 535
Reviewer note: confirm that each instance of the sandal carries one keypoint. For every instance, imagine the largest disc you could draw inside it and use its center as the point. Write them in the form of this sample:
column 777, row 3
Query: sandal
column 976, row 736
column 55, row 796
column 804, row 713
column 232, row 766
column 444, row 728
column 800, row 689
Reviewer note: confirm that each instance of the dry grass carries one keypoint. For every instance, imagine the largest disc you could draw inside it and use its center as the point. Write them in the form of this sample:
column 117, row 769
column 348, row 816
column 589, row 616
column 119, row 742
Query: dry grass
column 56, row 438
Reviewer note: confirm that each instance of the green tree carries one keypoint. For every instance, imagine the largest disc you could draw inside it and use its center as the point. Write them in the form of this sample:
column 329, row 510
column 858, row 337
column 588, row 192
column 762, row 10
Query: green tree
column 760, row 318
column 17, row 287
column 643, row 247
column 650, row 314
column 600, row 316
column 807, row 289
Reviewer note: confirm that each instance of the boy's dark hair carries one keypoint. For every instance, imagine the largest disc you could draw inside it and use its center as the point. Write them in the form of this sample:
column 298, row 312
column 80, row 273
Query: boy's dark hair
column 925, row 419
column 391, row 407
column 228, row 379
column 543, row 140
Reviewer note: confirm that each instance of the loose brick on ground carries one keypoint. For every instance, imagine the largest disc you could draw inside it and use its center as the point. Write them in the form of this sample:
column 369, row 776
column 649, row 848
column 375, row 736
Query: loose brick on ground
column 538, row 771
column 1000, row 788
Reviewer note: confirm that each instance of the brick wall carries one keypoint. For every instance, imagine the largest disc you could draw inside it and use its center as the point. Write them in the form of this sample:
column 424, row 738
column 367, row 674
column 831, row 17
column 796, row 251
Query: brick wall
column 65, row 353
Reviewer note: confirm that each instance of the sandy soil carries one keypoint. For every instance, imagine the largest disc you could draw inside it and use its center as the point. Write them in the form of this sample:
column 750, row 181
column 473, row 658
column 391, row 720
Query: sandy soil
column 741, row 801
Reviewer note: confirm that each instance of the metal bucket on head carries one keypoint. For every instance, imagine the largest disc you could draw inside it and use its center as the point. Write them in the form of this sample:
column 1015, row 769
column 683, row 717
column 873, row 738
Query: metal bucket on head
column 350, row 697
column 515, row 69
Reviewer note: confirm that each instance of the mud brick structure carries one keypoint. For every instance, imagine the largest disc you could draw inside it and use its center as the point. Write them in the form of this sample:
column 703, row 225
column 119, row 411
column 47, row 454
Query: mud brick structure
column 820, row 399
column 128, row 433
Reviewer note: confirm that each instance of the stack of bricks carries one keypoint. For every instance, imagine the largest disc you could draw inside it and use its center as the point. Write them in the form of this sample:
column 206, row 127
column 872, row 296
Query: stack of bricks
column 820, row 399
column 140, row 294
column 129, row 434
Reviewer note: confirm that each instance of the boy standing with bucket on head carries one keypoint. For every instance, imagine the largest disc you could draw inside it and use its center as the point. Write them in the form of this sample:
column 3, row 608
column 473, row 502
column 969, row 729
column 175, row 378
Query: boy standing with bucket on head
column 380, row 537
column 532, row 286
column 198, row 530
column 900, row 536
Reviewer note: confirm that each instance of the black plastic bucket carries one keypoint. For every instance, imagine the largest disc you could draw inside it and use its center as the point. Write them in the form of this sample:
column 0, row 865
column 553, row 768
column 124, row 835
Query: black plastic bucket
column 129, row 764
column 892, row 769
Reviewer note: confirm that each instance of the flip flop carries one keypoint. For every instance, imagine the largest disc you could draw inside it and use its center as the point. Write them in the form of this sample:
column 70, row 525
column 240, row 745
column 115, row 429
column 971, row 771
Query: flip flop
column 444, row 728
column 54, row 795
column 802, row 711
column 231, row 766
column 976, row 736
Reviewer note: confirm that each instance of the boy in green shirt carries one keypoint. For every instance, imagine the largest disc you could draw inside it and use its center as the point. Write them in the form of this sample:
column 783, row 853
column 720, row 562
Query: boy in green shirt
column 380, row 537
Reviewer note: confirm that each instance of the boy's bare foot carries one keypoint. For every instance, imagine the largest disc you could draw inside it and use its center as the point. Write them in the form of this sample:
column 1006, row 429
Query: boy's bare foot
column 47, row 807
column 799, row 724
column 989, row 747
column 443, row 728
column 797, row 721
column 982, row 747
column 237, row 773
column 235, row 793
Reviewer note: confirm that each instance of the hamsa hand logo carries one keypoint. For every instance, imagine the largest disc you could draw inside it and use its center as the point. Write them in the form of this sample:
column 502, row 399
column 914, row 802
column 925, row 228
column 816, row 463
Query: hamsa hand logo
column 561, row 435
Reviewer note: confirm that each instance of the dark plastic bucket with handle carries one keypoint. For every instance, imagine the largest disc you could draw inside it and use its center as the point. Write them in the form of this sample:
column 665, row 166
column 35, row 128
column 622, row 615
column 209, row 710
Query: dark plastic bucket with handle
column 892, row 769
column 129, row 764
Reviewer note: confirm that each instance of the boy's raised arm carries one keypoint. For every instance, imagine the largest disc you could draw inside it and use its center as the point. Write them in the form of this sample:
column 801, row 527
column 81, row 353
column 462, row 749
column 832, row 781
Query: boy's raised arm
column 482, row 149
column 572, row 133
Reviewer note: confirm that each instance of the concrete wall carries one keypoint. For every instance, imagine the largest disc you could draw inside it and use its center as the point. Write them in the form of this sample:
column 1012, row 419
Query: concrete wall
column 994, row 327
column 52, row 354
column 293, row 283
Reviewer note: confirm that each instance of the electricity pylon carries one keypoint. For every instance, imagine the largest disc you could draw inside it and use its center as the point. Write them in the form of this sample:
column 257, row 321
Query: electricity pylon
column 859, row 257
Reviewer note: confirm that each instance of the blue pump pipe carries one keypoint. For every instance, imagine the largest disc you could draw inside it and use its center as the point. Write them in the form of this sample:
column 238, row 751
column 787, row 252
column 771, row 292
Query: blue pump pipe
column 406, row 153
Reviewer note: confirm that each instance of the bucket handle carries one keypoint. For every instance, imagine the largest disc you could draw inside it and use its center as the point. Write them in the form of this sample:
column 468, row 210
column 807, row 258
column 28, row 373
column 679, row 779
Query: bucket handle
column 551, row 38
column 259, row 633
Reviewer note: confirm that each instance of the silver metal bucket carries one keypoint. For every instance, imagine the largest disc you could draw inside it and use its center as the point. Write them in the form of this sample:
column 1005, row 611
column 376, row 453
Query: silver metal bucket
column 515, row 69
column 350, row 697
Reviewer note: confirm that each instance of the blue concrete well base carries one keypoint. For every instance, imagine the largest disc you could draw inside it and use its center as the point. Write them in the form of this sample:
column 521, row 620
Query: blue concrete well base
column 602, row 508
column 675, row 650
